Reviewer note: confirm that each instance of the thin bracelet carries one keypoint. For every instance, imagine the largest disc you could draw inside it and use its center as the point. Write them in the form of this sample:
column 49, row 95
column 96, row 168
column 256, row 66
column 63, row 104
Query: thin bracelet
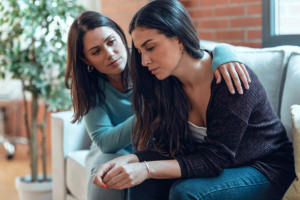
column 147, row 168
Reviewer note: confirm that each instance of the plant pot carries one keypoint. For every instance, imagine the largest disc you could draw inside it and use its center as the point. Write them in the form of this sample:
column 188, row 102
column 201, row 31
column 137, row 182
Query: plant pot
column 34, row 190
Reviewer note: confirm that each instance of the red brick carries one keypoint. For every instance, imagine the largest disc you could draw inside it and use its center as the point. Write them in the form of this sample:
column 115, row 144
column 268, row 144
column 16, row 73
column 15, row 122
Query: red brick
column 246, row 22
column 230, row 11
column 254, row 34
column 213, row 2
column 214, row 24
column 109, row 10
column 247, row 44
column 205, row 36
column 189, row 3
column 201, row 13
column 254, row 9
column 230, row 35
column 244, row 1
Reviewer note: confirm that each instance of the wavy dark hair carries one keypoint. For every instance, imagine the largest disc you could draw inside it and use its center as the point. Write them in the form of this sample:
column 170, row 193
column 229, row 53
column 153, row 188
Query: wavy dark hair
column 162, row 107
column 86, row 91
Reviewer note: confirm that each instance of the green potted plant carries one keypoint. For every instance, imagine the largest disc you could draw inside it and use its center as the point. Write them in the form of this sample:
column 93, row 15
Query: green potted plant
column 33, row 35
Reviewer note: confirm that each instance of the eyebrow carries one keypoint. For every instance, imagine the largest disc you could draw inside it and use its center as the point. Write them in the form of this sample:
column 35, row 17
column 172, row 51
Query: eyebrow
column 146, row 42
column 98, row 45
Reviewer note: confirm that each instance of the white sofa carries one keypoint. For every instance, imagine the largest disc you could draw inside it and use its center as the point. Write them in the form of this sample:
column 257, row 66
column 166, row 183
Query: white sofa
column 277, row 68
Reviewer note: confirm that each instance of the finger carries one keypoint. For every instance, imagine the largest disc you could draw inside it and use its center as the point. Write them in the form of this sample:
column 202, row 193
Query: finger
column 241, row 74
column 98, row 182
column 115, row 180
column 218, row 76
column 99, row 175
column 227, row 78
column 235, row 78
column 113, row 172
column 123, row 185
column 246, row 72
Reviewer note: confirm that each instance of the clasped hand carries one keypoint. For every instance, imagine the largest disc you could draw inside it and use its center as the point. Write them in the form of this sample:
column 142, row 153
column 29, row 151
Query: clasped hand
column 120, row 174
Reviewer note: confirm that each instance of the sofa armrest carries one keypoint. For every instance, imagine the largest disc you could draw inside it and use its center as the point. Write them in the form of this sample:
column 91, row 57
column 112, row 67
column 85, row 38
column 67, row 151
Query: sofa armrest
column 66, row 138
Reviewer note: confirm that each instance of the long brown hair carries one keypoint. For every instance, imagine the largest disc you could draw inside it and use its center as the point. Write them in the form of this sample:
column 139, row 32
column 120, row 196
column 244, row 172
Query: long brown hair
column 86, row 90
column 161, row 107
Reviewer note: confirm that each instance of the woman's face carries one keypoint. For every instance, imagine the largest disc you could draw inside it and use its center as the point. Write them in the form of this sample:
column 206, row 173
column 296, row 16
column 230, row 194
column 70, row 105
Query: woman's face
column 104, row 49
column 160, row 54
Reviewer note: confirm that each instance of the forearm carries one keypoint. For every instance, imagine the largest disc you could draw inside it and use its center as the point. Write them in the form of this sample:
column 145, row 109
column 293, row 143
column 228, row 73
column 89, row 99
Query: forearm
column 112, row 139
column 131, row 158
column 165, row 169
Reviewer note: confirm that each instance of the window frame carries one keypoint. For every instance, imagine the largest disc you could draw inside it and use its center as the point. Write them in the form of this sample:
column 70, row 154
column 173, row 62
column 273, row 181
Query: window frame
column 269, row 37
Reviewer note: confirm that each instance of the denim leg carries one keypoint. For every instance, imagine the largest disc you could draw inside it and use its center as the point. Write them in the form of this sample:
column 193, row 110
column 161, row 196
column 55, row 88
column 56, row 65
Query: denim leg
column 245, row 183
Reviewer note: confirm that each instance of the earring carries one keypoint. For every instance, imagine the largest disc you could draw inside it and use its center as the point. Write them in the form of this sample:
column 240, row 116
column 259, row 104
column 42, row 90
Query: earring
column 90, row 68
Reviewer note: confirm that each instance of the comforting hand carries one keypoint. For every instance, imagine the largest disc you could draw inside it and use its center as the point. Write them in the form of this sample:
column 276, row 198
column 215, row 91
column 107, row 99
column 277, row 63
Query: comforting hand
column 126, row 176
column 236, row 71
column 106, row 168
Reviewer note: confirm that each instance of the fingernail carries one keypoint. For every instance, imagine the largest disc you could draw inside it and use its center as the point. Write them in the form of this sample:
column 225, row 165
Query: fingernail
column 232, row 91
column 104, row 186
column 241, row 91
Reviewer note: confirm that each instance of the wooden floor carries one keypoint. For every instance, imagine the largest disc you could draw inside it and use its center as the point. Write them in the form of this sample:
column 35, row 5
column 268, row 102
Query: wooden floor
column 18, row 166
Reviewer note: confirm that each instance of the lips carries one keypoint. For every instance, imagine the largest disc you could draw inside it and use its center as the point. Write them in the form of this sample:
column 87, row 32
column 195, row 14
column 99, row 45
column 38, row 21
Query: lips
column 114, row 62
column 153, row 70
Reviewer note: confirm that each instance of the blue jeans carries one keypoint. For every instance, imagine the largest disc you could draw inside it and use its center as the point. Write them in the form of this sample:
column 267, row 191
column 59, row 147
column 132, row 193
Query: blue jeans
column 245, row 183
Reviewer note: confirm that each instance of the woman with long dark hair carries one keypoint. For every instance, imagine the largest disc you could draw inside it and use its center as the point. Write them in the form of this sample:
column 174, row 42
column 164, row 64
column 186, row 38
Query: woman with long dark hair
column 98, row 75
column 201, row 142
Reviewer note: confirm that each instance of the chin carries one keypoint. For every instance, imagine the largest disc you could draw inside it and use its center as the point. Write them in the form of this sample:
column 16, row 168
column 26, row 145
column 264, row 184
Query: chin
column 161, row 77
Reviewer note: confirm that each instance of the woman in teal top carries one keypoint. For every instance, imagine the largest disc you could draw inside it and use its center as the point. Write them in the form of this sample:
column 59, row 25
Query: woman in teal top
column 98, row 73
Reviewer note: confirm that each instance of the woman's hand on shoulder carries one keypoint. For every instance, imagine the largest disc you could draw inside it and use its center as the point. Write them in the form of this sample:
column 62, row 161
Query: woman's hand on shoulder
column 236, row 71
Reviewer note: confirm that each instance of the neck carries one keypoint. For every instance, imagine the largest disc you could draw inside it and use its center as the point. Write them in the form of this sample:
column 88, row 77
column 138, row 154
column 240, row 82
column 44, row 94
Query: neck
column 192, row 72
column 114, row 79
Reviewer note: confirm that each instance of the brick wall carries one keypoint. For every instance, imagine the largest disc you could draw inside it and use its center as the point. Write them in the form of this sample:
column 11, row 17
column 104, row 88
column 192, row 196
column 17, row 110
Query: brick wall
column 121, row 12
column 237, row 22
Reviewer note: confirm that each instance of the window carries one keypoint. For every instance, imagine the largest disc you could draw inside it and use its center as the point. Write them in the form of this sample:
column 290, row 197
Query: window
column 281, row 22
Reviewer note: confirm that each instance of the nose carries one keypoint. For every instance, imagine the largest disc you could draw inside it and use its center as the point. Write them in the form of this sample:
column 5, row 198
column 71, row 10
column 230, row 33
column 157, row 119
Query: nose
column 109, row 52
column 145, row 60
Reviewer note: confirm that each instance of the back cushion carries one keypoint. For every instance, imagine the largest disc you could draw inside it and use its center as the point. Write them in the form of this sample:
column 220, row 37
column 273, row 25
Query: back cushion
column 291, row 92
column 268, row 66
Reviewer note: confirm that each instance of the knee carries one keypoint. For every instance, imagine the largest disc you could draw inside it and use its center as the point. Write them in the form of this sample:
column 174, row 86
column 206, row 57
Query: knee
column 180, row 191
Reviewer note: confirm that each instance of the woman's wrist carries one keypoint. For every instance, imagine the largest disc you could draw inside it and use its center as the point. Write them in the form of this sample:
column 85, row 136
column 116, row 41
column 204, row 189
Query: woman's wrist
column 131, row 158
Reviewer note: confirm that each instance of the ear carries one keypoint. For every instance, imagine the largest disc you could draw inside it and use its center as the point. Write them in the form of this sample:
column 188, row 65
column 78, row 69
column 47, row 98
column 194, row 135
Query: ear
column 85, row 61
column 179, row 42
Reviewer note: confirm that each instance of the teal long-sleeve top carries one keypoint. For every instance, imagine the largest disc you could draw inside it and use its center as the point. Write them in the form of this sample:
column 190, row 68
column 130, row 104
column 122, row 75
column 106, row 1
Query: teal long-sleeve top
column 110, row 125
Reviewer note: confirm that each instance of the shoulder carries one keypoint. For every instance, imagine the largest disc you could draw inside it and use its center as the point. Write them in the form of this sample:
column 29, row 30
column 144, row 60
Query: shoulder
column 238, row 103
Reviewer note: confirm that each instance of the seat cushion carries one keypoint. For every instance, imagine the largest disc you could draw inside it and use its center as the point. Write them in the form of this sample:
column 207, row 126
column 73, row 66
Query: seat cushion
column 77, row 178
column 294, row 190
column 291, row 92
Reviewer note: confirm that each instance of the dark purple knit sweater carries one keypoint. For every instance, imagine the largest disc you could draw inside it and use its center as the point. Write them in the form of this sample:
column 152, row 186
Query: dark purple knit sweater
column 241, row 130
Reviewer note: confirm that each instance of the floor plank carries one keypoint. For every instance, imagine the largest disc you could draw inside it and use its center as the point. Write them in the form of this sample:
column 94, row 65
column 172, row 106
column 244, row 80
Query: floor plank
column 18, row 166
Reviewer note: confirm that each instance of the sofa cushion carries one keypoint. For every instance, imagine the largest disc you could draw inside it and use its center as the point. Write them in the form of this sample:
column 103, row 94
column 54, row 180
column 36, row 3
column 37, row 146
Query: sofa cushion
column 294, row 190
column 268, row 66
column 77, row 178
column 291, row 92
column 266, row 63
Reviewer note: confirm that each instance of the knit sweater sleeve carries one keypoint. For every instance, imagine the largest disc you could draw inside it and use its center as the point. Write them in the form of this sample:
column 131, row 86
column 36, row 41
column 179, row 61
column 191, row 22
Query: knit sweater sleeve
column 227, row 119
column 107, row 137
column 223, row 53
